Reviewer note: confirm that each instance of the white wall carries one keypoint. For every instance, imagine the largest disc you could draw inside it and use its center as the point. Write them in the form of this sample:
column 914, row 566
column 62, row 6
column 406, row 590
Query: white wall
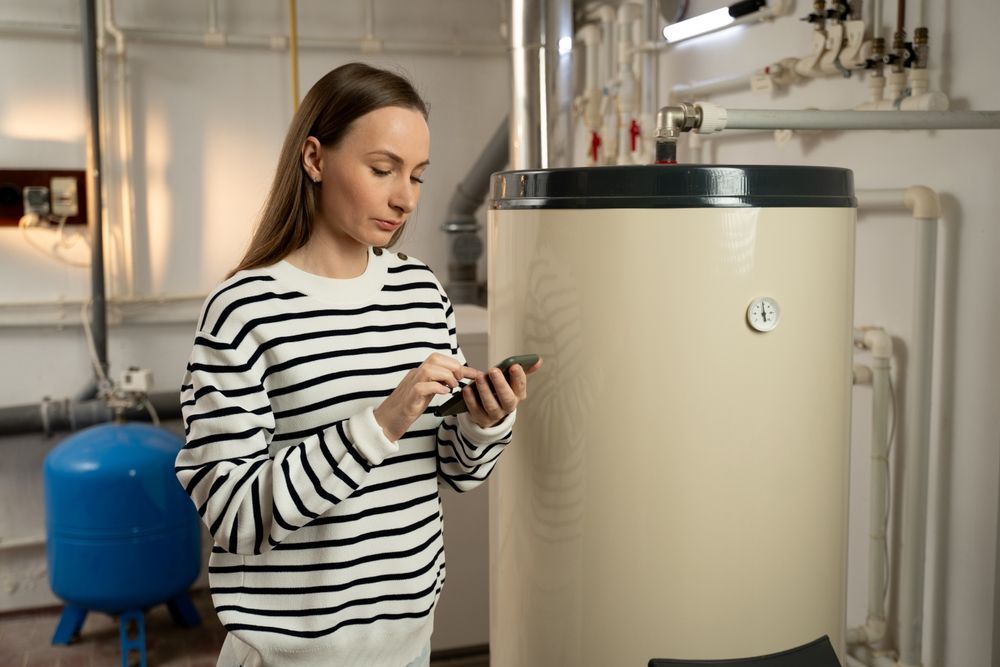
column 208, row 125
column 962, row 166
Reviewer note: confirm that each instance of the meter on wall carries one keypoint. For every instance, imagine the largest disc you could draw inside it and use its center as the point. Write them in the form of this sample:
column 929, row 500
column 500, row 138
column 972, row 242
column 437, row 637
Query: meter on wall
column 763, row 314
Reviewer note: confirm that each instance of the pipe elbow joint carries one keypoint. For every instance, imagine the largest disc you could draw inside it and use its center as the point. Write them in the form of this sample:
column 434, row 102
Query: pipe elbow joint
column 923, row 202
column 879, row 342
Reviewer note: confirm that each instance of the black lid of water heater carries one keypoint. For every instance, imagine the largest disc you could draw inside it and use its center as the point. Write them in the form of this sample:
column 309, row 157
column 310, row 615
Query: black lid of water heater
column 674, row 186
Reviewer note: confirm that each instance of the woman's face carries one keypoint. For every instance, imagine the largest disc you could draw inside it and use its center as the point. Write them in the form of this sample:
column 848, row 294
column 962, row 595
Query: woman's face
column 371, row 179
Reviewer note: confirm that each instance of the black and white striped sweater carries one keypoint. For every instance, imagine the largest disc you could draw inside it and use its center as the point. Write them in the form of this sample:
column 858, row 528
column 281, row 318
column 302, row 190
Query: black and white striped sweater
column 328, row 537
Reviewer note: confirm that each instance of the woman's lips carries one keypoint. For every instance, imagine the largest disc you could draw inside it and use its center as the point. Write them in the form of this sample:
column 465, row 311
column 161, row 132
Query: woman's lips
column 388, row 225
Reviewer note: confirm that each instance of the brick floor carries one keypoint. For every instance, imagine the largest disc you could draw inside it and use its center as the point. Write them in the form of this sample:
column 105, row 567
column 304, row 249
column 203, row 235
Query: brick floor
column 25, row 641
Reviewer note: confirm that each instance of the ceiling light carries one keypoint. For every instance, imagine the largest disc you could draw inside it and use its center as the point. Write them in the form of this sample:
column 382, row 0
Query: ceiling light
column 724, row 17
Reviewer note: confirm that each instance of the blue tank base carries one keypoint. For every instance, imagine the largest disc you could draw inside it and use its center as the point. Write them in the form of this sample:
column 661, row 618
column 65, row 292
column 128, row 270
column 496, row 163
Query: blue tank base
column 183, row 611
column 132, row 623
column 70, row 624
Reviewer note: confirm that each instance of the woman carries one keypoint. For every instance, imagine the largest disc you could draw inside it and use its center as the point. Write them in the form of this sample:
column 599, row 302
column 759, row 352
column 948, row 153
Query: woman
column 312, row 454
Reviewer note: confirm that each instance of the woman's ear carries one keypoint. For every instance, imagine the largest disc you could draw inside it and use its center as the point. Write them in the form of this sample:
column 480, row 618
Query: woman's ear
column 312, row 159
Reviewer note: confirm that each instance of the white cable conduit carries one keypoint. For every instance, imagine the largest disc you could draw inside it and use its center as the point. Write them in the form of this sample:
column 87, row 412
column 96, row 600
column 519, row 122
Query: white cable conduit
column 879, row 343
column 924, row 205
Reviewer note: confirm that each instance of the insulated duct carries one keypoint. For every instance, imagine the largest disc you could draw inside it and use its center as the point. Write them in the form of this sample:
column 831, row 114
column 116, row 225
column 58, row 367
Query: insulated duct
column 465, row 246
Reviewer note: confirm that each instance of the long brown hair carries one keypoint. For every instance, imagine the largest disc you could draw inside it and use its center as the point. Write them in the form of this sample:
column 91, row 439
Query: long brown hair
column 327, row 111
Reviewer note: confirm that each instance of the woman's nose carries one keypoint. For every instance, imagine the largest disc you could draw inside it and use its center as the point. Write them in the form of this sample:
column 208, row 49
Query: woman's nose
column 404, row 197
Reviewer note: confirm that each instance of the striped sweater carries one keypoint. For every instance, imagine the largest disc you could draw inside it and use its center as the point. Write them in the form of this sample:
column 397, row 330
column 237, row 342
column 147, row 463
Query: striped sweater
column 328, row 537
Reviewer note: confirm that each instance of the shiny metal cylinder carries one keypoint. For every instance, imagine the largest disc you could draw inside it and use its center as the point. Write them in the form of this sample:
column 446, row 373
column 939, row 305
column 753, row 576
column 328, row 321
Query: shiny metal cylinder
column 677, row 485
column 541, row 48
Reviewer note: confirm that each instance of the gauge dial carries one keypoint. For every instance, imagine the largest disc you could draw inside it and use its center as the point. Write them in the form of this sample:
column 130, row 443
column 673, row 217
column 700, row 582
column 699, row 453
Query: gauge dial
column 763, row 314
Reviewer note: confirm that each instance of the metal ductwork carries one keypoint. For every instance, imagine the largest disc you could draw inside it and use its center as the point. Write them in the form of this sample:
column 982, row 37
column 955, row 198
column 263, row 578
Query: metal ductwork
column 465, row 246
column 541, row 47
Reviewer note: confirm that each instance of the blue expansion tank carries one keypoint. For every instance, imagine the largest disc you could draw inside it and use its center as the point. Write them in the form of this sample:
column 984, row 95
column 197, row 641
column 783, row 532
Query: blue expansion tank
column 122, row 536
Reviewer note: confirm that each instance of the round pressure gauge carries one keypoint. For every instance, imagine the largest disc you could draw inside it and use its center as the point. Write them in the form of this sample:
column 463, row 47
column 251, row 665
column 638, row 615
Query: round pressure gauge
column 763, row 314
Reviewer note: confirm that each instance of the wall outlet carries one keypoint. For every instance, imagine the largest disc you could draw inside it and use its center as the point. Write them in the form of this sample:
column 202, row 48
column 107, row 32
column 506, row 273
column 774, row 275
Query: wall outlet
column 65, row 194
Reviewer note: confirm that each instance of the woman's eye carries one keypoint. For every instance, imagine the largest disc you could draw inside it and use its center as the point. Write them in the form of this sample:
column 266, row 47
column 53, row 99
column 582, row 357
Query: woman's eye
column 380, row 172
column 416, row 180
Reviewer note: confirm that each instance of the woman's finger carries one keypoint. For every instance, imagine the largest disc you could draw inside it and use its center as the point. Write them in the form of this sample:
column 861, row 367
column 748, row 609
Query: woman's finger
column 518, row 382
column 440, row 374
column 504, row 393
column 428, row 390
column 472, row 402
column 486, row 398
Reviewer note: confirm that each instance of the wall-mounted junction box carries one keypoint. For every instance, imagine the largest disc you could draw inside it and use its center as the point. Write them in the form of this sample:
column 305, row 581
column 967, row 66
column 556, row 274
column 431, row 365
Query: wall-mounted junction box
column 57, row 193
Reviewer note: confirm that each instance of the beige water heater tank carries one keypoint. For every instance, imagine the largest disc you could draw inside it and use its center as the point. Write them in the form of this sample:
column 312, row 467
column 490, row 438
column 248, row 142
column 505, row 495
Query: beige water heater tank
column 677, row 484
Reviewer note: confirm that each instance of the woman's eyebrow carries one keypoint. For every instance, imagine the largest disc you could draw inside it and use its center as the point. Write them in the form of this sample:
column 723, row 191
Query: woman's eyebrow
column 395, row 158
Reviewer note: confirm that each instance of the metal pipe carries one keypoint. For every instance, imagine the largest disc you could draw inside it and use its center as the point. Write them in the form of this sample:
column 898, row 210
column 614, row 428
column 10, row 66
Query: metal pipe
column 557, row 96
column 53, row 416
column 528, row 129
column 95, row 209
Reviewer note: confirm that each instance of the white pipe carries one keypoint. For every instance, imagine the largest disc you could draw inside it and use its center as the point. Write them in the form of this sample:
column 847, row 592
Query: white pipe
column 649, row 76
column 268, row 42
column 213, row 16
column 123, row 118
column 880, row 344
column 877, row 19
column 167, row 309
column 716, row 119
column 726, row 84
column 606, row 15
column 917, row 451
column 627, row 97
column 924, row 205
column 918, row 18
column 590, row 35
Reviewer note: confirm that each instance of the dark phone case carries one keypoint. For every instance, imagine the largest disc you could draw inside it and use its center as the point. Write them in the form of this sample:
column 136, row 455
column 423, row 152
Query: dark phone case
column 456, row 404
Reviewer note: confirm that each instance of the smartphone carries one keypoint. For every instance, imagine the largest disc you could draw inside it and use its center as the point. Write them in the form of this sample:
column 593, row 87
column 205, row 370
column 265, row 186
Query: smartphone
column 456, row 404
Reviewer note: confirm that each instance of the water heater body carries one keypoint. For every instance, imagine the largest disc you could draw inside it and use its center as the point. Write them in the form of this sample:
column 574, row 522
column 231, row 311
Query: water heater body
column 677, row 485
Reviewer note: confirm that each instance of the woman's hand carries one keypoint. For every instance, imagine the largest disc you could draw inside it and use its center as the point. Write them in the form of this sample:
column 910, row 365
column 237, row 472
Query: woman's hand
column 492, row 406
column 438, row 374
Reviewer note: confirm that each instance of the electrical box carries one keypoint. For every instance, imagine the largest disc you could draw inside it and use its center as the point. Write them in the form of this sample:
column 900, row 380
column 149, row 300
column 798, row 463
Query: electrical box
column 56, row 194
column 137, row 380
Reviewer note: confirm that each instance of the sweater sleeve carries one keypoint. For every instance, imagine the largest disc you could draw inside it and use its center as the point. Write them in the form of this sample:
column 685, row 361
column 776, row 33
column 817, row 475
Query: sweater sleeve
column 467, row 453
column 249, row 498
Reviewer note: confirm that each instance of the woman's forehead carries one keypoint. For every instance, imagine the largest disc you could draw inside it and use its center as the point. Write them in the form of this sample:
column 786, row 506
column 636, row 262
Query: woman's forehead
column 396, row 133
